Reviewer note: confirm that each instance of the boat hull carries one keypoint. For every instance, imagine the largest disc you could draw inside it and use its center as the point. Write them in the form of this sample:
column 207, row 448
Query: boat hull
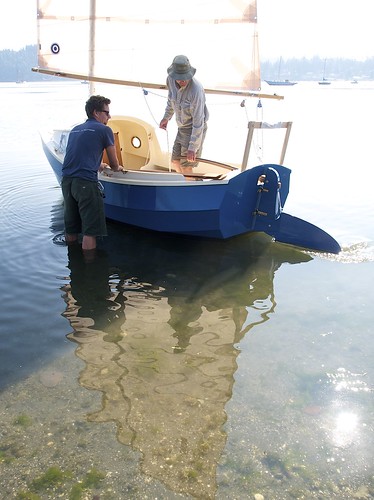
column 213, row 209
column 243, row 202
column 210, row 209
column 280, row 83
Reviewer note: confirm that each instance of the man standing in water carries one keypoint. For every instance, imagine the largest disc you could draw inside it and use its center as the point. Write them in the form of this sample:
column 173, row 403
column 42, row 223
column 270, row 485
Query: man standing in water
column 83, row 201
column 186, row 98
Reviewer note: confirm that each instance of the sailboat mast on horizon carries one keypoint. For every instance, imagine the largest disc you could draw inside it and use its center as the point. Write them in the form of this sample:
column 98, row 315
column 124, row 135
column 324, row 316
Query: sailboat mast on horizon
column 324, row 80
column 279, row 81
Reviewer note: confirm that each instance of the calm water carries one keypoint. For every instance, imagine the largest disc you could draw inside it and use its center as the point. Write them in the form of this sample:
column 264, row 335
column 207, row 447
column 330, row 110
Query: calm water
column 175, row 368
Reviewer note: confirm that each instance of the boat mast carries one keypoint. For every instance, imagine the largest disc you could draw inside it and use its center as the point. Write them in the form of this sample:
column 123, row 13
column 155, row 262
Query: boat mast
column 279, row 68
column 91, row 51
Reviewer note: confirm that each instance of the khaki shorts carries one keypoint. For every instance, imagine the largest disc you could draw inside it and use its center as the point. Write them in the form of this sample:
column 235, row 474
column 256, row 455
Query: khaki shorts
column 180, row 147
column 83, row 207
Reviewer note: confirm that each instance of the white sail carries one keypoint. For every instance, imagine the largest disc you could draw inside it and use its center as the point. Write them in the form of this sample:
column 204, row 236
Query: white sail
column 109, row 39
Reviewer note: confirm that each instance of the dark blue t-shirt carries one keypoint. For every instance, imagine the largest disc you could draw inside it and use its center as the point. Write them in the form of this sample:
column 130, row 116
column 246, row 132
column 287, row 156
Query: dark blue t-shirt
column 84, row 150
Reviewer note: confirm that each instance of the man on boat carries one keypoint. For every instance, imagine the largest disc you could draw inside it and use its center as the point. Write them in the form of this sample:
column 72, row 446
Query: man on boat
column 83, row 201
column 186, row 98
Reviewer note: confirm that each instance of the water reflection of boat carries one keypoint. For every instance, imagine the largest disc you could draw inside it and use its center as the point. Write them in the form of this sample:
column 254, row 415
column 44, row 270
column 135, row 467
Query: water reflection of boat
column 158, row 335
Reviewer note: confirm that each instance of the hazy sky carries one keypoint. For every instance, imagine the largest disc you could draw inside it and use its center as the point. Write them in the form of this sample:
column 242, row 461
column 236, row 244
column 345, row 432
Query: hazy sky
column 287, row 28
column 327, row 28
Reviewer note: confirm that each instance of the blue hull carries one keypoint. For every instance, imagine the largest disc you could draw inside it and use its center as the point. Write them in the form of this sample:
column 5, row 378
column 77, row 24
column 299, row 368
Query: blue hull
column 212, row 209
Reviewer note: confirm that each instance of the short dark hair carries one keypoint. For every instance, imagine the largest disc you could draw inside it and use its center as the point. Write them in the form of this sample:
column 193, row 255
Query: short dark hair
column 96, row 103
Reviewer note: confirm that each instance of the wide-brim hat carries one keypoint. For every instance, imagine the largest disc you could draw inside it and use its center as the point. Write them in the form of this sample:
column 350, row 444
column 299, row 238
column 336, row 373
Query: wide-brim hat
column 181, row 69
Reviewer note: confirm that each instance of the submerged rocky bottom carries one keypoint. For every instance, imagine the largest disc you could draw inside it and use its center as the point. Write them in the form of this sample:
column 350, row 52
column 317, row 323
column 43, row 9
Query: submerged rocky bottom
column 49, row 449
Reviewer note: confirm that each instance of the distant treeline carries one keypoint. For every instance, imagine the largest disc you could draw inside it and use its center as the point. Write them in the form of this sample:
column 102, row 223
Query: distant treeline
column 313, row 69
column 16, row 66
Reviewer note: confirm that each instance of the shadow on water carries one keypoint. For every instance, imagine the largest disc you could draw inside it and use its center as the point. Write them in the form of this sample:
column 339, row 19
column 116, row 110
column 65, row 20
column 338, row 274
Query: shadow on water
column 157, row 319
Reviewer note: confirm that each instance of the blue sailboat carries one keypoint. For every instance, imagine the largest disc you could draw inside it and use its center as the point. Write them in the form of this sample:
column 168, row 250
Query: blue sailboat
column 221, row 200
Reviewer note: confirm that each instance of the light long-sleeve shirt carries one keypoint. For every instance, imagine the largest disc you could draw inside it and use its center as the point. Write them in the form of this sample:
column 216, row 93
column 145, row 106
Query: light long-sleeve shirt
column 188, row 104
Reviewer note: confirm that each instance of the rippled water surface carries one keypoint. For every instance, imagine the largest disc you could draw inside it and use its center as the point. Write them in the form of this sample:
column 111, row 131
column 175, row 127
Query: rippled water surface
column 177, row 368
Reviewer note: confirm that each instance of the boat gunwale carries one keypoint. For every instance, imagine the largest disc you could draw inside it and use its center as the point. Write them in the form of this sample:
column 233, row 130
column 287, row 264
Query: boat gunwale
column 153, row 179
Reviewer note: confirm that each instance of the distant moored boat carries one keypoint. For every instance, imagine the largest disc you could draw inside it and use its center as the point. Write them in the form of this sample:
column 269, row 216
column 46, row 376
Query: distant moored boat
column 324, row 80
column 279, row 82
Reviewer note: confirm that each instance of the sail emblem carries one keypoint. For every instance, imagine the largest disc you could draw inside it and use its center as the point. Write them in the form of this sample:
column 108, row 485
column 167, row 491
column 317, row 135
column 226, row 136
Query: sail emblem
column 55, row 48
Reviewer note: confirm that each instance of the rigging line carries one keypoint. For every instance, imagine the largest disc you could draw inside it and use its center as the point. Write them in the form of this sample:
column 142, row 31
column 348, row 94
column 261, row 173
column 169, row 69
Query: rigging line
column 145, row 93
column 259, row 143
column 258, row 137
column 168, row 148
column 154, row 93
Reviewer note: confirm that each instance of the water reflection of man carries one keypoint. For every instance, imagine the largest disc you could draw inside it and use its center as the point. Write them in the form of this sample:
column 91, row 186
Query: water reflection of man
column 90, row 294
column 168, row 407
